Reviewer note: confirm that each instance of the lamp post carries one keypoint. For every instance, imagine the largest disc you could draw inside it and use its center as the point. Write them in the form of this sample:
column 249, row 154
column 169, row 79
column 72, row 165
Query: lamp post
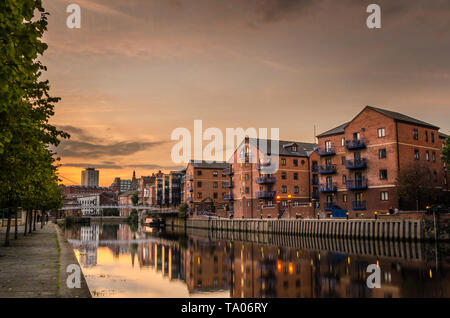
column 318, row 215
column 347, row 215
column 376, row 215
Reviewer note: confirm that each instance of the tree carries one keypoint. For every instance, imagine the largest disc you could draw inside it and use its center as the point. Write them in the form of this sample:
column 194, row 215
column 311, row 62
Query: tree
column 25, row 105
column 135, row 198
column 182, row 210
column 446, row 152
column 415, row 185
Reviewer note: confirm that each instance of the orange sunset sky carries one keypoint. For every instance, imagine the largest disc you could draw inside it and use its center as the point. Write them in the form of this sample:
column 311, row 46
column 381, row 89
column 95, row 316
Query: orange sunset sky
column 138, row 69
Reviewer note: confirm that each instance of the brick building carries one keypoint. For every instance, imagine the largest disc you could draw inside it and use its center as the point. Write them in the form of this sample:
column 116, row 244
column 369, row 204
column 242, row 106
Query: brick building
column 257, row 192
column 204, row 186
column 360, row 160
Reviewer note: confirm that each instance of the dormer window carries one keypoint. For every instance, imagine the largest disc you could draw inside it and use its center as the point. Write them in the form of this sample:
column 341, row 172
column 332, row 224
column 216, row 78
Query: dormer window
column 294, row 148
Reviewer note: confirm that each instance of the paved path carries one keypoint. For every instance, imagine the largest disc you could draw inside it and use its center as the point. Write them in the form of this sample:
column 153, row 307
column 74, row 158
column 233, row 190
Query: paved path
column 29, row 267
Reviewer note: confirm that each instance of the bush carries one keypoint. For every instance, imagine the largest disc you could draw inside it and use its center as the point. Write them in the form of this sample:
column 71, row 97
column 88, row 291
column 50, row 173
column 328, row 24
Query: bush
column 182, row 210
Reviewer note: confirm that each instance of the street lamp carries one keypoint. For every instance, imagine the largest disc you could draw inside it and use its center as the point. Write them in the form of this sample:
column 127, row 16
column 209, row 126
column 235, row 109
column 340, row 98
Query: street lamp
column 376, row 215
column 347, row 215
column 318, row 215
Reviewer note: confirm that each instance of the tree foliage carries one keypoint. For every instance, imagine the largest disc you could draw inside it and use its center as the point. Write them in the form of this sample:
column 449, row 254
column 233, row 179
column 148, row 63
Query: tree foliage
column 27, row 165
column 446, row 153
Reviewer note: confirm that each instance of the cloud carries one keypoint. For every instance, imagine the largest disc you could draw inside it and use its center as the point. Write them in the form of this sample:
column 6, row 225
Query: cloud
column 113, row 166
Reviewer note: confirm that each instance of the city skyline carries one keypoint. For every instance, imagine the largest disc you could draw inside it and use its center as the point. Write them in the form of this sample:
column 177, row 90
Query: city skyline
column 134, row 72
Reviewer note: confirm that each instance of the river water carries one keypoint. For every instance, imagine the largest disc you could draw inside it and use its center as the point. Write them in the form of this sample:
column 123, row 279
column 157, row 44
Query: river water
column 119, row 261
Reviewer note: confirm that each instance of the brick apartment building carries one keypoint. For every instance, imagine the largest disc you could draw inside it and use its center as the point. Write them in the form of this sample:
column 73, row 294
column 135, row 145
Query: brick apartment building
column 359, row 161
column 254, row 192
column 205, row 188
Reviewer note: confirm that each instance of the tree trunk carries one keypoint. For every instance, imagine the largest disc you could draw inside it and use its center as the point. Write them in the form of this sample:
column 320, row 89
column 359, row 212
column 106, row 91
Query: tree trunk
column 34, row 220
column 42, row 219
column 26, row 223
column 8, row 228
column 30, row 227
column 16, row 229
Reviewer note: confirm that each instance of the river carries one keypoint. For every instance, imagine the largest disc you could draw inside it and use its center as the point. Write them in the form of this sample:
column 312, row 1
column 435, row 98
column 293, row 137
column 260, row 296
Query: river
column 120, row 261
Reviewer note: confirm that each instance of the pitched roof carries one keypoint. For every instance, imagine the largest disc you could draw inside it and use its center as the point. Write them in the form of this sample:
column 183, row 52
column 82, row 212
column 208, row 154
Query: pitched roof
column 401, row 117
column 335, row 131
column 209, row 165
column 442, row 135
column 304, row 149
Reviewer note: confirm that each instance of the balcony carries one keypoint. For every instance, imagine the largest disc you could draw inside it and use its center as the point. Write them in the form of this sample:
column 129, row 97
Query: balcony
column 265, row 194
column 263, row 166
column 315, row 168
column 265, row 180
column 328, row 206
column 355, row 144
column 358, row 184
column 327, row 169
column 315, row 182
column 228, row 197
column 326, row 151
column 227, row 171
column 359, row 205
column 328, row 187
column 228, row 184
column 190, row 189
column 353, row 164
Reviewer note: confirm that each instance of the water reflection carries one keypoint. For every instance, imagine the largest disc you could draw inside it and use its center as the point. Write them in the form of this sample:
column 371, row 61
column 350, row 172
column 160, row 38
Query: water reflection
column 118, row 262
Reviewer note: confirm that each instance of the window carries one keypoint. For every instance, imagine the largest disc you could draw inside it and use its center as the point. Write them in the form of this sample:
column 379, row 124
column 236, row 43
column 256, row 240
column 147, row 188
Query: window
column 249, row 203
column 199, row 184
column 416, row 154
column 432, row 137
column 283, row 175
column 343, row 160
column 384, row 196
column 283, row 161
column 383, row 174
column 433, row 156
column 296, row 189
column 284, row 189
column 344, row 198
column 381, row 132
column 382, row 153
column 415, row 134
column 295, row 175
column 427, row 156
column 342, row 141
column 247, row 177
column 426, row 136
column 435, row 176
column 199, row 172
column 328, row 145
column 215, row 195
column 284, row 203
column 294, row 148
column 199, row 195
column 247, row 190
column 215, row 185
column 295, row 163
column 344, row 179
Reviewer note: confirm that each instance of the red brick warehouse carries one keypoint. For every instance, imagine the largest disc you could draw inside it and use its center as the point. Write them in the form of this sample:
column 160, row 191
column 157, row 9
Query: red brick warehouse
column 361, row 159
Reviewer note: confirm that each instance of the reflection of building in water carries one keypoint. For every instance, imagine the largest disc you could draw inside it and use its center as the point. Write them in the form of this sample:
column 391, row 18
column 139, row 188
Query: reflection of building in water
column 89, row 237
column 208, row 266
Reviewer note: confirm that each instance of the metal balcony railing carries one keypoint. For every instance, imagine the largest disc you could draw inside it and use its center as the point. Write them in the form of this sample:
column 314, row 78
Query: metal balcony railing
column 228, row 197
column 315, row 181
column 360, row 163
column 357, row 184
column 359, row 205
column 328, row 187
column 227, row 171
column 355, row 144
column 327, row 169
column 315, row 168
column 326, row 151
column 228, row 184
column 265, row 194
column 265, row 180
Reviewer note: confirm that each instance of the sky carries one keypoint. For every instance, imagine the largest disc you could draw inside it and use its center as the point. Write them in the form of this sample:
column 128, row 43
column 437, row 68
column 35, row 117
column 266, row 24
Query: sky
column 138, row 69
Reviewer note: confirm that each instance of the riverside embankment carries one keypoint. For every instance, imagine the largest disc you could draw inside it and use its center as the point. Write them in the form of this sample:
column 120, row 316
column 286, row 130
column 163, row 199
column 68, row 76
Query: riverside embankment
column 398, row 229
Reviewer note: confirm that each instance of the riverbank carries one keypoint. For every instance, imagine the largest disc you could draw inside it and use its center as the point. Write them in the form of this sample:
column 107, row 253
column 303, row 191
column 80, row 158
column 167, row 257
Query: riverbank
column 35, row 265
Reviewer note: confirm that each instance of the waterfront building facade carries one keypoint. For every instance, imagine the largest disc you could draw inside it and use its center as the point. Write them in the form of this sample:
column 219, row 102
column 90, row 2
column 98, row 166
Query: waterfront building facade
column 255, row 193
column 360, row 161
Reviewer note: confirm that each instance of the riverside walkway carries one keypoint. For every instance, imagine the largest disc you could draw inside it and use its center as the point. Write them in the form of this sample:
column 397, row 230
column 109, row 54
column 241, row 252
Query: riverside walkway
column 35, row 265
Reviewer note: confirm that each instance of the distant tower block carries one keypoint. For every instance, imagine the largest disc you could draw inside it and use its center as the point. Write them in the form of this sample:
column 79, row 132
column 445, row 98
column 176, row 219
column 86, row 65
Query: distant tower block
column 90, row 177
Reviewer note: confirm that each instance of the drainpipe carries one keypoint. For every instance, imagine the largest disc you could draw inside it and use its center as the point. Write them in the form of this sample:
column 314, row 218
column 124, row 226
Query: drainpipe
column 398, row 157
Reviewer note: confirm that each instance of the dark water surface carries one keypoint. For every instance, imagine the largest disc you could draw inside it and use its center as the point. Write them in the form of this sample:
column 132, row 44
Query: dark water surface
column 118, row 261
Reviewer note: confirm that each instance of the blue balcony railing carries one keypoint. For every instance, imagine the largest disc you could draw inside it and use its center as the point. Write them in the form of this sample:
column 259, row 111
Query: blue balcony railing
column 359, row 205
column 228, row 197
column 326, row 151
column 228, row 184
column 265, row 180
column 315, row 195
column 357, row 184
column 360, row 163
column 315, row 168
column 355, row 144
column 327, row 169
column 265, row 194
column 328, row 187
column 315, row 181
column 227, row 171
